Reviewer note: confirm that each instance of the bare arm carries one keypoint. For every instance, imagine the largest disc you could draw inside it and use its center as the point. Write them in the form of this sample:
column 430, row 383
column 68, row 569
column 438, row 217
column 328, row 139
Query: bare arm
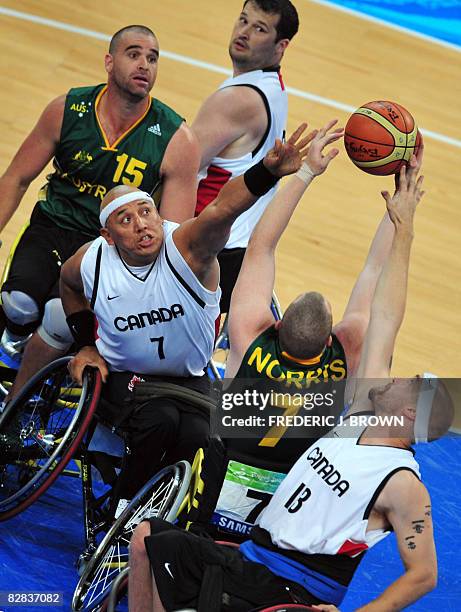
column 250, row 312
column 74, row 300
column 199, row 240
column 407, row 506
column 179, row 176
column 351, row 330
column 32, row 156
column 231, row 116
column 389, row 300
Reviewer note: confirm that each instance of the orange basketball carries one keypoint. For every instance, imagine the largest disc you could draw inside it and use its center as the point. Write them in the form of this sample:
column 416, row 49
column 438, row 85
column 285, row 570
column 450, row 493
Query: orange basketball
column 380, row 137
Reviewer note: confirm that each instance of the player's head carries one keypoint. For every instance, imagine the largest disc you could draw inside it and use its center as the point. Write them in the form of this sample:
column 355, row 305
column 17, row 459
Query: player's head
column 424, row 405
column 131, row 223
column 262, row 33
column 306, row 326
column 132, row 60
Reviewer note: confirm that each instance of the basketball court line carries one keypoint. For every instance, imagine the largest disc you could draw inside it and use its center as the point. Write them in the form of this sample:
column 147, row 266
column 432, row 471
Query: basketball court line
column 184, row 59
column 388, row 24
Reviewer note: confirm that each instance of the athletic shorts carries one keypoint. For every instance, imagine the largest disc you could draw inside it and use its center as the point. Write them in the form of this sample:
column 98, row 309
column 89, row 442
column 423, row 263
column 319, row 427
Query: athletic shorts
column 38, row 258
column 230, row 262
column 195, row 572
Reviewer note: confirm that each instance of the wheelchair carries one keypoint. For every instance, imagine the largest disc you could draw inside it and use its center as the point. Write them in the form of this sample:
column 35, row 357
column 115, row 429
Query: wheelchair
column 197, row 509
column 51, row 421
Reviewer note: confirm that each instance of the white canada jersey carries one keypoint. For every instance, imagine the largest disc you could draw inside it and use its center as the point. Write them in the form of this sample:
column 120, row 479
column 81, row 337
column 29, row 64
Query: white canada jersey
column 269, row 85
column 164, row 324
column 323, row 504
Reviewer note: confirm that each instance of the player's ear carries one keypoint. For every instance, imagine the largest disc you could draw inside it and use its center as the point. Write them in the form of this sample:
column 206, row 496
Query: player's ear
column 409, row 412
column 108, row 62
column 281, row 45
column 106, row 235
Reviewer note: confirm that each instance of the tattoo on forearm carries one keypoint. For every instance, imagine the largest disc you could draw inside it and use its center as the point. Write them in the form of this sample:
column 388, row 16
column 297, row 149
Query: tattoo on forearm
column 410, row 543
column 418, row 525
column 427, row 510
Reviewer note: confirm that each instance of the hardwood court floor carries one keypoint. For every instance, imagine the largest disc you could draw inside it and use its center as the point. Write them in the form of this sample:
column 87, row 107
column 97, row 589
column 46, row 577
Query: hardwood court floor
column 336, row 56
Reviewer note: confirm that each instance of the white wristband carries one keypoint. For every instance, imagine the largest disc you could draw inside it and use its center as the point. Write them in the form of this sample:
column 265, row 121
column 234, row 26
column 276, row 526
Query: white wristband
column 305, row 173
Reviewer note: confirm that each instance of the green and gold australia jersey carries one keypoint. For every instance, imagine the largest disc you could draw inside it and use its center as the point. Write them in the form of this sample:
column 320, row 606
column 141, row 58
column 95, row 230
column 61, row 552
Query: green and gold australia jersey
column 264, row 357
column 268, row 369
column 87, row 167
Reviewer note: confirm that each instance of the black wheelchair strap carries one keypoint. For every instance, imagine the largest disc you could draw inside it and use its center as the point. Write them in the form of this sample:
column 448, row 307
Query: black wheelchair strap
column 105, row 464
column 151, row 390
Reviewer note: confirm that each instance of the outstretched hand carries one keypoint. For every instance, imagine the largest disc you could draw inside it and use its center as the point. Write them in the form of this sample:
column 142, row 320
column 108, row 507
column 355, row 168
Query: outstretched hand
column 402, row 205
column 286, row 157
column 414, row 164
column 315, row 159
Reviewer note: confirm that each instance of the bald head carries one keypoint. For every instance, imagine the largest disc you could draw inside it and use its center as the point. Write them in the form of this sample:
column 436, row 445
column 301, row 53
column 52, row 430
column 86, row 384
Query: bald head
column 137, row 29
column 306, row 326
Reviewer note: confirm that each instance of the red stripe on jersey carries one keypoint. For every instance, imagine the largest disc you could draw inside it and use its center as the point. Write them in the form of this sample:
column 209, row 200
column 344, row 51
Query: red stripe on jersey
column 351, row 549
column 282, row 84
column 210, row 186
column 217, row 325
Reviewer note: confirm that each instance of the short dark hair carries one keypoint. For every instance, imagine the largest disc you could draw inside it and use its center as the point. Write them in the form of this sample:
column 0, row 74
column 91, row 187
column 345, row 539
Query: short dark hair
column 289, row 21
column 117, row 36
column 306, row 326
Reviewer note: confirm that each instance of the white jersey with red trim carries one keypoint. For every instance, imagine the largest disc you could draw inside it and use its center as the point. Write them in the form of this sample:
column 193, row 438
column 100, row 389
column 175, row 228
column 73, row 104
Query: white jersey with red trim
column 160, row 322
column 269, row 84
column 323, row 504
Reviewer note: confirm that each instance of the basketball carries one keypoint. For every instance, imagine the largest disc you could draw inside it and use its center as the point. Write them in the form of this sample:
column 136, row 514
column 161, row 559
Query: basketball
column 381, row 136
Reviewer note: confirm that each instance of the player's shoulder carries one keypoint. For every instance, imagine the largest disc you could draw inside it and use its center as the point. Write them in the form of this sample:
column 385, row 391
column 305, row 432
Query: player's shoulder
column 164, row 112
column 403, row 489
column 84, row 92
column 78, row 101
column 236, row 98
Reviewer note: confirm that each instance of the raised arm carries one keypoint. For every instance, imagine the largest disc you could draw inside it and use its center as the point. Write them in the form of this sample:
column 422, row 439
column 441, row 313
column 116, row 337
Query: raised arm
column 233, row 115
column 199, row 240
column 389, row 300
column 80, row 318
column 351, row 330
column 250, row 312
column 33, row 155
column 179, row 176
column 353, row 326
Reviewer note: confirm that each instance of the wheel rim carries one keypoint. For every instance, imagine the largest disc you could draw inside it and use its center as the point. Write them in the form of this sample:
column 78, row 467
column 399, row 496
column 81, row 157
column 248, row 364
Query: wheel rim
column 111, row 556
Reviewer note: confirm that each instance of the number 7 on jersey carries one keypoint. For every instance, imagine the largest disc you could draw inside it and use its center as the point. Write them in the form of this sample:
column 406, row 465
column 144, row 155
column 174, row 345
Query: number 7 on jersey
column 161, row 353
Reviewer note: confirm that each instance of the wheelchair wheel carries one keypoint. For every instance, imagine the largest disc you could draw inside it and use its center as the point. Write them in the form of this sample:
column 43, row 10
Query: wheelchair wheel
column 160, row 497
column 40, row 430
